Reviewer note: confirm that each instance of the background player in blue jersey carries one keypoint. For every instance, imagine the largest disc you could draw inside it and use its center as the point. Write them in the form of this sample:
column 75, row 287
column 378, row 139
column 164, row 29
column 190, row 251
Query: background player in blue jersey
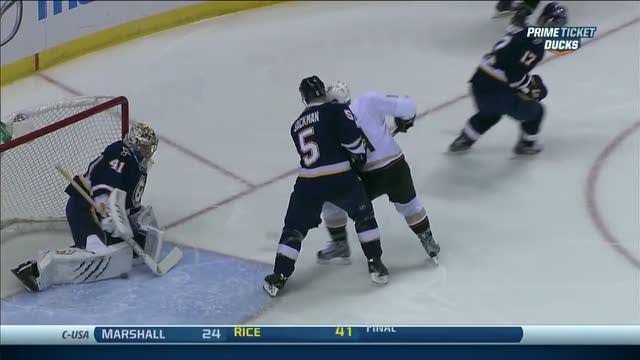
column 331, row 147
column 520, row 10
column 99, row 251
column 502, row 85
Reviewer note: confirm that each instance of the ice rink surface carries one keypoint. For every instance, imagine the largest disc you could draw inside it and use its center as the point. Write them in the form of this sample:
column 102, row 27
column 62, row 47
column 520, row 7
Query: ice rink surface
column 553, row 239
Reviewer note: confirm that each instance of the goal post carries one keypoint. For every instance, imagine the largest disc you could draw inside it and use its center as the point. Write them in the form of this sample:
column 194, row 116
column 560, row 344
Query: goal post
column 71, row 132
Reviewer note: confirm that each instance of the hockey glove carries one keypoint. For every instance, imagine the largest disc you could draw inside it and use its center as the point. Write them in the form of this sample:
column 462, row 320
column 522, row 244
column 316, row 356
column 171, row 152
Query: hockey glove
column 358, row 160
column 535, row 88
column 402, row 125
column 108, row 225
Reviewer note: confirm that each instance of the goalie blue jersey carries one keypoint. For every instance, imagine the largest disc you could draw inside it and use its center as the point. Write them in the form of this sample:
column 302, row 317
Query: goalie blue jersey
column 117, row 167
column 323, row 135
column 510, row 61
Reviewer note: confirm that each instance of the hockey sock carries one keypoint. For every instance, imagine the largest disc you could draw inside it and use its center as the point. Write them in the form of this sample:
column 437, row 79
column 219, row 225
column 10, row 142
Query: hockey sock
column 288, row 251
column 479, row 124
column 530, row 128
column 372, row 249
column 422, row 227
column 338, row 233
column 415, row 215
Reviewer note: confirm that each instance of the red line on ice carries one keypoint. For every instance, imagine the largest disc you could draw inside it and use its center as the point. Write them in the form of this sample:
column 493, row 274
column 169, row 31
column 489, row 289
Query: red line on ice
column 163, row 138
column 591, row 190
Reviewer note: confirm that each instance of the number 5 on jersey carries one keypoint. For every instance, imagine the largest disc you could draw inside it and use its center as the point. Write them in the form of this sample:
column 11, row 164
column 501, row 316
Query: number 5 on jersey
column 310, row 150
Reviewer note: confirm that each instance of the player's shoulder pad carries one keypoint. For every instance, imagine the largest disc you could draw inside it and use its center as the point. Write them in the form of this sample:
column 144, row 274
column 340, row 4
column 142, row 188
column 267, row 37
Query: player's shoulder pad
column 117, row 149
column 335, row 105
column 520, row 36
column 335, row 108
column 371, row 95
column 341, row 111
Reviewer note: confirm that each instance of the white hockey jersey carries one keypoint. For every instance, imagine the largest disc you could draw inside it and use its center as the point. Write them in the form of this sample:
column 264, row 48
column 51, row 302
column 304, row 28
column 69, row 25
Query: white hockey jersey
column 370, row 110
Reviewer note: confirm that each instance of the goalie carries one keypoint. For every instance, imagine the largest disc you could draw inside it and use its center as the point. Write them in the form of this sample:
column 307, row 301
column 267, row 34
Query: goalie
column 99, row 251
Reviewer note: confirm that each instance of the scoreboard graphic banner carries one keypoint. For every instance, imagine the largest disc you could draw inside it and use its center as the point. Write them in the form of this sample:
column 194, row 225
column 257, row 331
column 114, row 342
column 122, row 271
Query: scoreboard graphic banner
column 317, row 335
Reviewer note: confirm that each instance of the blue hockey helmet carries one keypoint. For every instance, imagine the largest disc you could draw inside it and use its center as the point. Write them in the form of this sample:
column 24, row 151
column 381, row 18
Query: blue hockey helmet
column 311, row 87
column 553, row 15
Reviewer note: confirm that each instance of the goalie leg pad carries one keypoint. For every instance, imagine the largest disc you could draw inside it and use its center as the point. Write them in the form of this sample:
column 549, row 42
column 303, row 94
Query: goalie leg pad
column 153, row 243
column 74, row 266
column 143, row 219
column 143, row 222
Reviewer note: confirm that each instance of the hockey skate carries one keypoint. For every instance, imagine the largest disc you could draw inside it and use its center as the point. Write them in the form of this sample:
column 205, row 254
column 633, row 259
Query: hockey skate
column 27, row 273
column 337, row 252
column 461, row 144
column 524, row 147
column 274, row 283
column 430, row 245
column 504, row 8
column 379, row 272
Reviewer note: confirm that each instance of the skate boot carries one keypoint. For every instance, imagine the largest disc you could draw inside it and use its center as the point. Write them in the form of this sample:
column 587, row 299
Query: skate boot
column 504, row 9
column 521, row 15
column 27, row 273
column 430, row 245
column 526, row 147
column 461, row 144
column 379, row 272
column 336, row 251
column 274, row 283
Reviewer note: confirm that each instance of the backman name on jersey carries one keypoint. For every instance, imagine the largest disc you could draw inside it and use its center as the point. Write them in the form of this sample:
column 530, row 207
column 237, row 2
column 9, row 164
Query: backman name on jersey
column 308, row 119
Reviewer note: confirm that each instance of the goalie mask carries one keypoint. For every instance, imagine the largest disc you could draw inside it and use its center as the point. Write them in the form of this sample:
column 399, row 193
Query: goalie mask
column 339, row 93
column 143, row 140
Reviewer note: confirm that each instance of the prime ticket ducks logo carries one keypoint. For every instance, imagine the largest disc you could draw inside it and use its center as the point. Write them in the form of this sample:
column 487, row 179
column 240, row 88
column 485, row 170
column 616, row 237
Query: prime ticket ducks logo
column 561, row 40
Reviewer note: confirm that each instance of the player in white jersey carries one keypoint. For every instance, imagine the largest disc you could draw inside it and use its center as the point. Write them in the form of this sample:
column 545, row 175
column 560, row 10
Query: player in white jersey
column 385, row 172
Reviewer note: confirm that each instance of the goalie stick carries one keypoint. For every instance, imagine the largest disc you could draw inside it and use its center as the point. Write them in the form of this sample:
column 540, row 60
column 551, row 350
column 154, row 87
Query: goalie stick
column 121, row 220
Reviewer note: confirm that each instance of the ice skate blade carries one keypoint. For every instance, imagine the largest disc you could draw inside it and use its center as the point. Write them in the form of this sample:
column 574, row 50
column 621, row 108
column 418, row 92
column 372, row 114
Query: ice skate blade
column 379, row 279
column 335, row 261
column 434, row 260
column 272, row 290
column 502, row 14
column 457, row 152
column 524, row 157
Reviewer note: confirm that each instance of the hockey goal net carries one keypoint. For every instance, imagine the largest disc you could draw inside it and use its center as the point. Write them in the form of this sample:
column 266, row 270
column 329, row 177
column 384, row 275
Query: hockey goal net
column 72, row 133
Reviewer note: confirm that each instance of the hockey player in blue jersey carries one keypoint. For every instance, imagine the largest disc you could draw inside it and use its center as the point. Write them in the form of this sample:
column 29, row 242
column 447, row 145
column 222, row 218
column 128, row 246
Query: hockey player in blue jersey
column 520, row 10
column 331, row 149
column 502, row 85
column 99, row 251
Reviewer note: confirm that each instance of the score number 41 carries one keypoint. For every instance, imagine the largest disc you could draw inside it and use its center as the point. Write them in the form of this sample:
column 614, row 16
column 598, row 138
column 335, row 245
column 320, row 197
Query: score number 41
column 340, row 331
